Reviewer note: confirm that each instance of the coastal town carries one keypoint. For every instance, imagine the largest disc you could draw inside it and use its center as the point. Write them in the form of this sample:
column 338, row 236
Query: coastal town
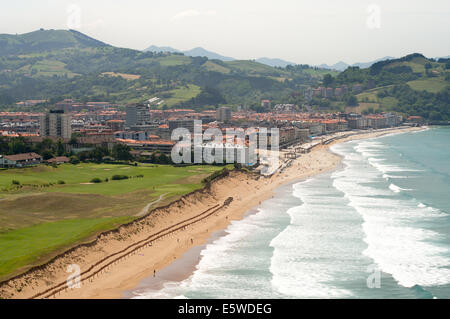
column 80, row 128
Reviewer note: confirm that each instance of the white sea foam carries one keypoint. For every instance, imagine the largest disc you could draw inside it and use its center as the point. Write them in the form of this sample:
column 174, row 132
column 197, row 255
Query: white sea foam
column 170, row 290
column 314, row 252
column 392, row 226
column 386, row 168
column 420, row 131
column 386, row 176
column 371, row 159
column 372, row 151
column 397, row 189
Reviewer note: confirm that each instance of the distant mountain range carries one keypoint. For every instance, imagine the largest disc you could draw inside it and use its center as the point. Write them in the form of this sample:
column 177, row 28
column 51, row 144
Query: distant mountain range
column 275, row 62
column 215, row 56
column 193, row 53
column 154, row 48
column 342, row 66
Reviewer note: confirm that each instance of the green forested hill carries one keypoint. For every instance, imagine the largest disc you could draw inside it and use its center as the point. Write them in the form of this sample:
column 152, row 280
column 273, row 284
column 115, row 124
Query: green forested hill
column 45, row 40
column 57, row 64
column 53, row 64
column 413, row 85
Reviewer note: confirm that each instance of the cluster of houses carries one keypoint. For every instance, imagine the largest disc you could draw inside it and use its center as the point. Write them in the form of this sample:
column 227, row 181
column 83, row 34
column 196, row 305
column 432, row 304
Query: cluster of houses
column 338, row 92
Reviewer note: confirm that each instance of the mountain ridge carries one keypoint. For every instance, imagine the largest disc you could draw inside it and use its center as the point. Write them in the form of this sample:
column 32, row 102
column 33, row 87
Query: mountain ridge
column 46, row 40
column 275, row 62
column 195, row 52
column 342, row 66
column 199, row 51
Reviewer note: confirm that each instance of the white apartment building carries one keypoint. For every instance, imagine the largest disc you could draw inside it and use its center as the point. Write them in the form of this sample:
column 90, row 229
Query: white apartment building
column 56, row 124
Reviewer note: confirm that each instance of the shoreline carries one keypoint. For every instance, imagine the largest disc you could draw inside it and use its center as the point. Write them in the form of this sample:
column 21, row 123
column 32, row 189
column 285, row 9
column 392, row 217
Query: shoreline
column 178, row 250
column 185, row 267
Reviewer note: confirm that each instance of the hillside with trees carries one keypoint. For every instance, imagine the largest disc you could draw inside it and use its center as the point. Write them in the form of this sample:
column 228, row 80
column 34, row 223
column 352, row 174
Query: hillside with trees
column 57, row 64
column 412, row 85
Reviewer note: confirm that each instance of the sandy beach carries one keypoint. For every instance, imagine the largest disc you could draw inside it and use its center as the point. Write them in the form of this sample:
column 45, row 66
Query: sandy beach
column 118, row 261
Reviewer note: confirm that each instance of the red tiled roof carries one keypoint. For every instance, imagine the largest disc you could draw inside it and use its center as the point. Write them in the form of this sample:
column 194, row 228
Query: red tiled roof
column 160, row 142
column 22, row 157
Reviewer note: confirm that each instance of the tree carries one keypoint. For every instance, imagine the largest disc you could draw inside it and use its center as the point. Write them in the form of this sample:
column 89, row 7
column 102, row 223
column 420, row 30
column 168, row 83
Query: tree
column 207, row 96
column 74, row 139
column 159, row 158
column 60, row 149
column 17, row 146
column 4, row 147
column 328, row 80
column 46, row 155
column 98, row 153
column 352, row 101
column 74, row 160
column 46, row 145
column 435, row 116
column 121, row 152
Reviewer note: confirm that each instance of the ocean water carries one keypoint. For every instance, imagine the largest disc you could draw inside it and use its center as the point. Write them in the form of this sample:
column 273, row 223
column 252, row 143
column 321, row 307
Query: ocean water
column 378, row 227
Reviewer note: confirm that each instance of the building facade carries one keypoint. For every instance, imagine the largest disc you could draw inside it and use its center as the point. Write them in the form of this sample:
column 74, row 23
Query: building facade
column 184, row 123
column 20, row 160
column 224, row 114
column 56, row 124
column 137, row 115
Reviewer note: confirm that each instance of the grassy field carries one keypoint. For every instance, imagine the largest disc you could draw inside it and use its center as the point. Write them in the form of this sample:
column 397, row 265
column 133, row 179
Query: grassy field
column 212, row 66
column 362, row 107
column 370, row 99
column 415, row 66
column 50, row 68
column 319, row 73
column 250, row 67
column 26, row 246
column 182, row 94
column 432, row 85
column 41, row 217
column 173, row 60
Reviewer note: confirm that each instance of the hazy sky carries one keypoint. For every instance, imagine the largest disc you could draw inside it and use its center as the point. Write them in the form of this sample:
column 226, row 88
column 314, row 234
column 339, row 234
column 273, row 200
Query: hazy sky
column 312, row 32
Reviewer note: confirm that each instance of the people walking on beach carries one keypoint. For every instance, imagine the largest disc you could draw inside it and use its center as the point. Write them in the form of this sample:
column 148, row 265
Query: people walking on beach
column 154, row 273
